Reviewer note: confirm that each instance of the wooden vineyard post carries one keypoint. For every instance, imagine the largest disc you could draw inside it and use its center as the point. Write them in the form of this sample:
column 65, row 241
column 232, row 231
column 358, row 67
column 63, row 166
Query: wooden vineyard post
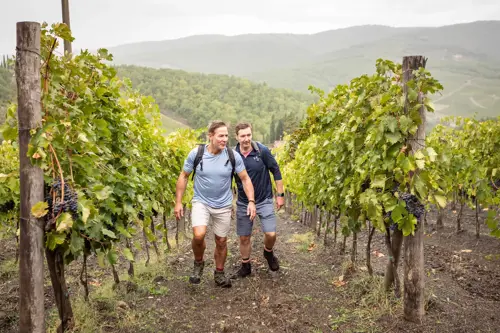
column 414, row 246
column 31, row 277
column 65, row 17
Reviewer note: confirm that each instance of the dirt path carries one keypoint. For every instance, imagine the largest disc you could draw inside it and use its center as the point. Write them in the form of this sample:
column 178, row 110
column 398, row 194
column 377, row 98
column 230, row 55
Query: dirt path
column 313, row 292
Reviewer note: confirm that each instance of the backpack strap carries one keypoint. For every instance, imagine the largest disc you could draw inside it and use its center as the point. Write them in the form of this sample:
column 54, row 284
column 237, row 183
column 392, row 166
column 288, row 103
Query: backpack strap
column 199, row 158
column 255, row 147
column 231, row 159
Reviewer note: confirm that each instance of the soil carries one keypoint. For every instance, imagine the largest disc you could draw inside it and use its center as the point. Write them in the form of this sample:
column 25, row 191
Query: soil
column 314, row 291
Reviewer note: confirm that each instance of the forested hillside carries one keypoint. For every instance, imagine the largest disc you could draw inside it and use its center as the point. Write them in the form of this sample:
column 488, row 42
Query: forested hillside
column 464, row 57
column 200, row 98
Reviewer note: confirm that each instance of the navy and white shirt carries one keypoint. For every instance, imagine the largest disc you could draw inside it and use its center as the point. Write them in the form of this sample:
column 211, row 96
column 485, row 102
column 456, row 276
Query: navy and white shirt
column 258, row 169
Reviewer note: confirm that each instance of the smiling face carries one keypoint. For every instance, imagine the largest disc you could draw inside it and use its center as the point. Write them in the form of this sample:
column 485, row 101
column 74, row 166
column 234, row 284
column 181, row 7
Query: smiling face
column 218, row 139
column 244, row 137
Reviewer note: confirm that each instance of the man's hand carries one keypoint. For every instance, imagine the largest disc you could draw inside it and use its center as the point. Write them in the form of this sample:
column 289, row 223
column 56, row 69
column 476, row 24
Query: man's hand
column 179, row 210
column 280, row 202
column 251, row 210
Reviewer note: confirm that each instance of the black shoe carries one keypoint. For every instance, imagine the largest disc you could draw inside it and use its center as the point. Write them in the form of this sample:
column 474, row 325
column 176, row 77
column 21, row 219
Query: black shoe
column 244, row 271
column 272, row 261
column 221, row 279
column 195, row 278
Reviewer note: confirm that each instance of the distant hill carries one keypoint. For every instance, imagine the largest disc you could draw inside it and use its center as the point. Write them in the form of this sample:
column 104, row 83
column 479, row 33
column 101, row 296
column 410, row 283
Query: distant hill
column 195, row 99
column 464, row 57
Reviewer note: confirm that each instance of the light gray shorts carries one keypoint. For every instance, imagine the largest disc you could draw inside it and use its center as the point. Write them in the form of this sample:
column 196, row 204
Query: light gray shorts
column 202, row 214
column 265, row 211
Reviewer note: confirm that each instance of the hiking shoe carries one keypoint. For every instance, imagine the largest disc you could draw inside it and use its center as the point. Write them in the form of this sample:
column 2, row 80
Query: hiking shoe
column 272, row 261
column 221, row 280
column 244, row 271
column 195, row 278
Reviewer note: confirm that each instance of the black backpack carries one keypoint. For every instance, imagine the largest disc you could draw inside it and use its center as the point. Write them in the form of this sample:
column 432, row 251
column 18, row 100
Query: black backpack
column 199, row 159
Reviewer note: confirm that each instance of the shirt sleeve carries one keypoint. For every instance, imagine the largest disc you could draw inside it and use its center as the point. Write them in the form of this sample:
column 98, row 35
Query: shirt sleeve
column 271, row 163
column 240, row 165
column 189, row 161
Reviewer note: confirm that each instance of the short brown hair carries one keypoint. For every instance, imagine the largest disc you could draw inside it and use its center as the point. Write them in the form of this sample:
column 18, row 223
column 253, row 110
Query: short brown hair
column 214, row 125
column 242, row 126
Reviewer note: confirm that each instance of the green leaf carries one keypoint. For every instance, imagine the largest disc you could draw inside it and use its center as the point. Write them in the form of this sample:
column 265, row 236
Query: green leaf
column 112, row 256
column 389, row 201
column 393, row 137
column 54, row 239
column 408, row 226
column 100, row 259
column 64, row 222
column 77, row 243
column 405, row 123
column 419, row 155
column 8, row 133
column 420, row 164
column 123, row 231
column 40, row 209
column 108, row 233
column 412, row 94
column 102, row 192
column 432, row 153
column 397, row 213
column 441, row 200
column 82, row 137
column 392, row 123
column 379, row 181
column 128, row 254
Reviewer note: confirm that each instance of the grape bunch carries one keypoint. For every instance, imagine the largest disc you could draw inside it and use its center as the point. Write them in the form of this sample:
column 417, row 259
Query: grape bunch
column 413, row 205
column 68, row 204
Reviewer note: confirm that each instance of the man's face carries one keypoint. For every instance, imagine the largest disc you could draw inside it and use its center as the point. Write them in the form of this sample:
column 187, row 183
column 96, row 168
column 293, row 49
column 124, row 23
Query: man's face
column 219, row 138
column 244, row 137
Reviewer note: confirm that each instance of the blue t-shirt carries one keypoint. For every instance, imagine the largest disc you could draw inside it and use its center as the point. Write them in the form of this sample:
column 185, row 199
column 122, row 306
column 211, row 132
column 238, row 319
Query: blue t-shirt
column 212, row 186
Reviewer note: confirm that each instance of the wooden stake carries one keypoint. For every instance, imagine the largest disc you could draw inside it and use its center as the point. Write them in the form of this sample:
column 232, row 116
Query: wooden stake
column 31, row 278
column 414, row 244
column 65, row 17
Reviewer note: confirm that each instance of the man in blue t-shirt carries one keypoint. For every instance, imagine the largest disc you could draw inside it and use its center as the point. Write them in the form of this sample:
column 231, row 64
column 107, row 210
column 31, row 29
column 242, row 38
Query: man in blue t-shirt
column 258, row 164
column 213, row 199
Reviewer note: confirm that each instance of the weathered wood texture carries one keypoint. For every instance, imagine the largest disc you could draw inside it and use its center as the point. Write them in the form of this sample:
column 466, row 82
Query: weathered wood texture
column 31, row 293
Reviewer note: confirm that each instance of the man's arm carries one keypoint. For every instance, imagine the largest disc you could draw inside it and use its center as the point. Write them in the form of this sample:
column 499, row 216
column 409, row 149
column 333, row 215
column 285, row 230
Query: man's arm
column 249, row 191
column 273, row 166
column 180, row 188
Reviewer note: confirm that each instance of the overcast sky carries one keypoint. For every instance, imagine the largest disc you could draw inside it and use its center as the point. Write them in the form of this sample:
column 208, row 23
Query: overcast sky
column 104, row 23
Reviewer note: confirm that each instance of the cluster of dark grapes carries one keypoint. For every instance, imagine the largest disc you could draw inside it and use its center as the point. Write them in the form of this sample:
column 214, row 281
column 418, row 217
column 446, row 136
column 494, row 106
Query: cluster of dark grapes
column 413, row 205
column 68, row 204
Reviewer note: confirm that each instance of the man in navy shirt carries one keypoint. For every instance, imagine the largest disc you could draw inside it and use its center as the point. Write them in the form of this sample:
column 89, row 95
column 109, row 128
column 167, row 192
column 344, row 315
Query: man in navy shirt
column 258, row 164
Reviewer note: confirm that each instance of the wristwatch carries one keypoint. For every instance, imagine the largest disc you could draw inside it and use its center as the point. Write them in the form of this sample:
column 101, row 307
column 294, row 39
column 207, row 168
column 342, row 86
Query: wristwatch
column 280, row 194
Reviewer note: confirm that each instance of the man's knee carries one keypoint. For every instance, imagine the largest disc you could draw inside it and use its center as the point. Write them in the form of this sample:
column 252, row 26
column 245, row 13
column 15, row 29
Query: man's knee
column 199, row 234
column 244, row 240
column 220, row 242
column 270, row 235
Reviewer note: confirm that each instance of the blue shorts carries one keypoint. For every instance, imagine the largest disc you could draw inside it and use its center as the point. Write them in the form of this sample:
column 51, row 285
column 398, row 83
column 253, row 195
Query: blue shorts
column 265, row 211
